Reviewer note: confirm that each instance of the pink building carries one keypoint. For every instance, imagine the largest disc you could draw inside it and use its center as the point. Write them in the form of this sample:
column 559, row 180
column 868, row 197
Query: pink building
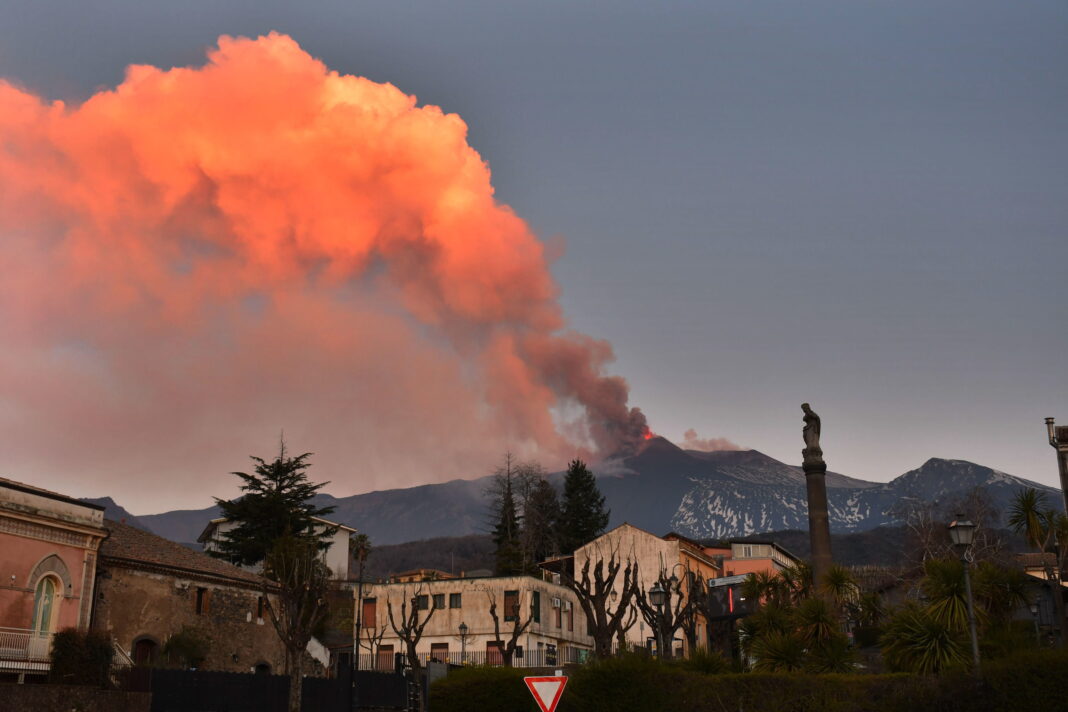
column 48, row 552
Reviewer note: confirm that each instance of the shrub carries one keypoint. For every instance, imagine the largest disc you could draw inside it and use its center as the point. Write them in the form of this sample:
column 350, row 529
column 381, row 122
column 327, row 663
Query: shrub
column 81, row 658
column 186, row 648
column 482, row 688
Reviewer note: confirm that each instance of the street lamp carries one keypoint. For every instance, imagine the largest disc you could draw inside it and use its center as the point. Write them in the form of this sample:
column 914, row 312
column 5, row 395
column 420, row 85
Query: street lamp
column 1034, row 615
column 463, row 643
column 1058, row 439
column 657, row 596
column 961, row 533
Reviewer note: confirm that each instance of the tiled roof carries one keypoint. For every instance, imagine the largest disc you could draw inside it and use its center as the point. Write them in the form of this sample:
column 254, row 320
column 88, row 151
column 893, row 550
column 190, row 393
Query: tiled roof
column 130, row 545
column 1035, row 560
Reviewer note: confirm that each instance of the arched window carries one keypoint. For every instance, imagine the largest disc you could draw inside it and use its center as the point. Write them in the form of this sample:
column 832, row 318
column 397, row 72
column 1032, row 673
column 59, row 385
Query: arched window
column 144, row 651
column 263, row 669
column 45, row 606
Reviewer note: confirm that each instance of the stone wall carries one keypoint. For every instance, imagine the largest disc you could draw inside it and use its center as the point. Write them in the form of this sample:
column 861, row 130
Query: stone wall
column 133, row 604
column 19, row 698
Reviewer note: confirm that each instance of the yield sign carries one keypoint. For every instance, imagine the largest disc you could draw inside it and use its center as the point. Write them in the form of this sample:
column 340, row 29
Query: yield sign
column 546, row 691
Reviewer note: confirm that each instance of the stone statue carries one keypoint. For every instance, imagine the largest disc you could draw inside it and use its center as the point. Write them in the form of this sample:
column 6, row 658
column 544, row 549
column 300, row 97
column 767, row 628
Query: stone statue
column 811, row 434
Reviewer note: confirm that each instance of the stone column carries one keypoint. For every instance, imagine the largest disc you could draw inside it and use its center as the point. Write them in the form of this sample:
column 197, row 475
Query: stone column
column 819, row 527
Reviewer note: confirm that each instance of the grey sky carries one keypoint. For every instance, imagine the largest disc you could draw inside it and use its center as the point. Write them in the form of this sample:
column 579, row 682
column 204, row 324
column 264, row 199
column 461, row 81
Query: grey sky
column 859, row 204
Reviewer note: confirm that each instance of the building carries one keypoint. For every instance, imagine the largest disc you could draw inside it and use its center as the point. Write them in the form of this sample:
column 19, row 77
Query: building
column 48, row 559
column 150, row 589
column 338, row 556
column 749, row 557
column 461, row 628
column 657, row 558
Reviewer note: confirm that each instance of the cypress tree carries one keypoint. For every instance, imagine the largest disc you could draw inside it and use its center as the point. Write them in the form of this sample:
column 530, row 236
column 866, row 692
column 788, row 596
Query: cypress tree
column 509, row 555
column 583, row 516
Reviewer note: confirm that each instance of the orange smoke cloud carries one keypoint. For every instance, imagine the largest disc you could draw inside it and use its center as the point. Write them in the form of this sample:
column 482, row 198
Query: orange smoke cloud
column 203, row 256
column 690, row 441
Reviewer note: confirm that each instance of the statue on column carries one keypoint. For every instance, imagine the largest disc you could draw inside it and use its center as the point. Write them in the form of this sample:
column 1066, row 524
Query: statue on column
column 811, row 434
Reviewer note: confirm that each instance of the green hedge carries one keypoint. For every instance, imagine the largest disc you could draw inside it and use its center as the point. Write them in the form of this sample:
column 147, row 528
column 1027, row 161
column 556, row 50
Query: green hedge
column 81, row 658
column 1032, row 681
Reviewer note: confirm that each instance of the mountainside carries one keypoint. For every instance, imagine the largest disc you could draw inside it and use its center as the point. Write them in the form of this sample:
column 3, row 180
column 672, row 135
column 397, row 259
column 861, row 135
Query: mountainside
column 116, row 513
column 661, row 488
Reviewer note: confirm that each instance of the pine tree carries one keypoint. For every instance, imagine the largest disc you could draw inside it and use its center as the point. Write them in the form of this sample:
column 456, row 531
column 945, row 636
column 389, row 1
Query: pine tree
column 541, row 523
column 509, row 555
column 583, row 516
column 276, row 503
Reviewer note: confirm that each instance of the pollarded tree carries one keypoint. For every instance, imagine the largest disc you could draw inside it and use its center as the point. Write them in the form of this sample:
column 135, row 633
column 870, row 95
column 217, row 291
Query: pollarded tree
column 276, row 502
column 583, row 517
column 296, row 601
column 512, row 614
column 608, row 608
column 409, row 628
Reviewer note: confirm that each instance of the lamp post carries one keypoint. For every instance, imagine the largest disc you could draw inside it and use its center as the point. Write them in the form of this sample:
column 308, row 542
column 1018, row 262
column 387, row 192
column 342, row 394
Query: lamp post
column 1058, row 439
column 961, row 533
column 657, row 596
column 463, row 643
column 1034, row 615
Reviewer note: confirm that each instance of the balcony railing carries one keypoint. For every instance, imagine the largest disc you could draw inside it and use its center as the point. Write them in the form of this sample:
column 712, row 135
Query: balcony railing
column 22, row 650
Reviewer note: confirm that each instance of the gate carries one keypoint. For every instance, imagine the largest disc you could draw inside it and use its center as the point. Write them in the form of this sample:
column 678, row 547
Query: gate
column 380, row 689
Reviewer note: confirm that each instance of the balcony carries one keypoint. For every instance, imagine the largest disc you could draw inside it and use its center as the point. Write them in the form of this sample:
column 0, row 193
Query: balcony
column 22, row 650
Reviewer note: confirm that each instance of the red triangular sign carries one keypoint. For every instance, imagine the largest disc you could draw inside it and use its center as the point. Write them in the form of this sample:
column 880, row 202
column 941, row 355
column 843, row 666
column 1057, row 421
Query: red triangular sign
column 546, row 691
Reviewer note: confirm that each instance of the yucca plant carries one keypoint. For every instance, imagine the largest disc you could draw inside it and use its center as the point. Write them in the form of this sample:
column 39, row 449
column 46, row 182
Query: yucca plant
column 915, row 641
column 778, row 652
column 943, row 587
column 815, row 622
column 831, row 655
column 838, row 583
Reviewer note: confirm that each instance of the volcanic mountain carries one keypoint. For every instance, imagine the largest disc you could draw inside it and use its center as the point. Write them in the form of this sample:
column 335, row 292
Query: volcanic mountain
column 661, row 487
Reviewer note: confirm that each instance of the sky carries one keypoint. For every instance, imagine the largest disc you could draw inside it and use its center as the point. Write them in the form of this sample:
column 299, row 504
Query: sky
column 859, row 205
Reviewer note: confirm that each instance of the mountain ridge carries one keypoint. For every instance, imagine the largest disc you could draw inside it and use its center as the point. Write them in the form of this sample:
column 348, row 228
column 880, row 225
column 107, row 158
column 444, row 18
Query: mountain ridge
column 659, row 487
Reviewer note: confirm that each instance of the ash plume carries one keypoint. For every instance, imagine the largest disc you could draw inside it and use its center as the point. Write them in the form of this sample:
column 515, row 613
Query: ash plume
column 204, row 255
column 690, row 441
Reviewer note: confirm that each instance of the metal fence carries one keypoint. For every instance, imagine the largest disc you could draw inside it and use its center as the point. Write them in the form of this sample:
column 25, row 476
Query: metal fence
column 542, row 657
column 23, row 650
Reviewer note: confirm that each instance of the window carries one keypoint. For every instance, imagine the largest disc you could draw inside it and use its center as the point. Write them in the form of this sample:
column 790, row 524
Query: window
column 558, row 614
column 422, row 602
column 259, row 608
column 747, row 552
column 439, row 601
column 570, row 616
column 511, row 605
column 368, row 617
column 44, row 606
column 439, row 652
column 535, row 604
column 202, row 600
column 455, row 600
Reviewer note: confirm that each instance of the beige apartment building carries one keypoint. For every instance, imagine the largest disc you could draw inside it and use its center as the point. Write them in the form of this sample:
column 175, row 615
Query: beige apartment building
column 461, row 628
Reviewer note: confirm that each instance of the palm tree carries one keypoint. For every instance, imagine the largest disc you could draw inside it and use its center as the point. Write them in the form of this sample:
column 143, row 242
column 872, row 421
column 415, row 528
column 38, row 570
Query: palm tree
column 815, row 621
column 1028, row 515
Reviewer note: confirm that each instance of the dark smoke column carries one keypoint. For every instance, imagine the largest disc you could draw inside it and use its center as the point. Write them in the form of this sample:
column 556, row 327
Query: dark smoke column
column 819, row 527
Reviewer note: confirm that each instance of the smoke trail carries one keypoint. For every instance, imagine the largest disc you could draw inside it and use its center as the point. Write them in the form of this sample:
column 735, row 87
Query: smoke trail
column 202, row 256
column 690, row 441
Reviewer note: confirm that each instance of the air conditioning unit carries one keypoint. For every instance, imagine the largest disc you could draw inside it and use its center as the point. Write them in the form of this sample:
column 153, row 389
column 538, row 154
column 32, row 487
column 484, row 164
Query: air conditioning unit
column 567, row 605
column 556, row 603
column 556, row 579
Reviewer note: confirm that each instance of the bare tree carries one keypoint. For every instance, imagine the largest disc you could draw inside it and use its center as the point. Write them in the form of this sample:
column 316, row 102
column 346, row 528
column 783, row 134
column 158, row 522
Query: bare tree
column 299, row 581
column 372, row 640
column 512, row 614
column 668, row 617
column 605, row 607
column 410, row 631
